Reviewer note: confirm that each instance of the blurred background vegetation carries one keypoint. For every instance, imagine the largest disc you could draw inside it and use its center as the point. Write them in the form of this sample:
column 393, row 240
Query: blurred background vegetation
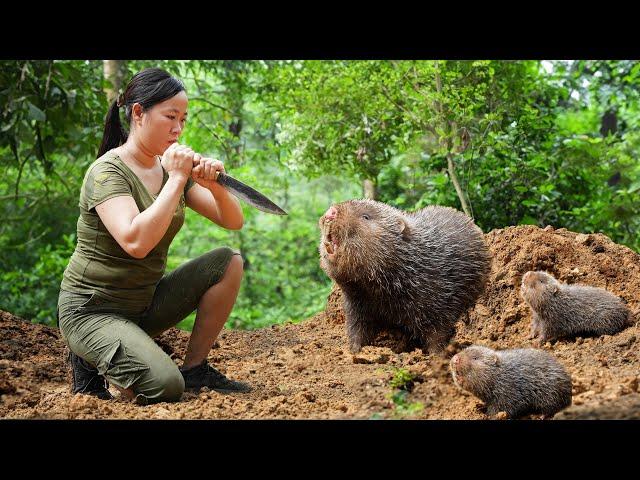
column 509, row 142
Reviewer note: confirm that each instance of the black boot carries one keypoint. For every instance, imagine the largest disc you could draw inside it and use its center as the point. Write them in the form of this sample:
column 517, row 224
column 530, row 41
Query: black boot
column 85, row 378
column 204, row 375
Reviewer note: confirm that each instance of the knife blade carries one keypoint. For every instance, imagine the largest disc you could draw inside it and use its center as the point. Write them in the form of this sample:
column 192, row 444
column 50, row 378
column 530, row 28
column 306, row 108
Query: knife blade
column 248, row 194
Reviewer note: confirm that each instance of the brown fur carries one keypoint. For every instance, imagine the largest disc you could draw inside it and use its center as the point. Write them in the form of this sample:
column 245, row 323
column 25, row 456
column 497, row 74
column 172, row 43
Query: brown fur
column 560, row 310
column 517, row 381
column 417, row 272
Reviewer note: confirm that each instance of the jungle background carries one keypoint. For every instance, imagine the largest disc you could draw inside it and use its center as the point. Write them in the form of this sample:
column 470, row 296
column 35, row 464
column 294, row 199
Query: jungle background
column 508, row 142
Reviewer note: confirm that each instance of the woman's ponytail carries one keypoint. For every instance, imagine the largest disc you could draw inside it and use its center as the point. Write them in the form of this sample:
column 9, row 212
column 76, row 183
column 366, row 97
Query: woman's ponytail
column 114, row 134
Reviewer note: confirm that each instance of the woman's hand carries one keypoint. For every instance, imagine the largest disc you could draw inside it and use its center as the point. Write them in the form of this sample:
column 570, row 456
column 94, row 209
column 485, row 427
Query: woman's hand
column 177, row 160
column 205, row 170
column 209, row 198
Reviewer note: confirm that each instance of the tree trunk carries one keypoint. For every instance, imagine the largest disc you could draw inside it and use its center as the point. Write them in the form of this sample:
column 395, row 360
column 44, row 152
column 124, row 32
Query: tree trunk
column 456, row 184
column 449, row 146
column 114, row 74
column 369, row 189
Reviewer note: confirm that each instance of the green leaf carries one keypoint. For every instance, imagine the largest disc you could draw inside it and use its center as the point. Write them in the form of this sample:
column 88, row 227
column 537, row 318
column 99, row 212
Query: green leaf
column 9, row 125
column 634, row 187
column 35, row 113
column 546, row 188
column 528, row 220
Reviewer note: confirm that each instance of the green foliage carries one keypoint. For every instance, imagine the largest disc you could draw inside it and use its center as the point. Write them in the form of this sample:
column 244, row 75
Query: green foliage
column 33, row 293
column 336, row 112
column 402, row 379
column 402, row 384
column 52, row 119
column 51, row 126
column 528, row 144
column 402, row 407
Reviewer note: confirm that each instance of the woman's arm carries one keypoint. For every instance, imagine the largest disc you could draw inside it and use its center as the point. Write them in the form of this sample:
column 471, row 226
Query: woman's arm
column 210, row 199
column 138, row 233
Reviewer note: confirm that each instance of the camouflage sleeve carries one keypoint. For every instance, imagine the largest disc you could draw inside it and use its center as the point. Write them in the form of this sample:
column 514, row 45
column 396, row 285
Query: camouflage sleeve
column 103, row 182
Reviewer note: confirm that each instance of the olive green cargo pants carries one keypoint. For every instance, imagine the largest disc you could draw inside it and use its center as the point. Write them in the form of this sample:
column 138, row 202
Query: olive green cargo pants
column 119, row 343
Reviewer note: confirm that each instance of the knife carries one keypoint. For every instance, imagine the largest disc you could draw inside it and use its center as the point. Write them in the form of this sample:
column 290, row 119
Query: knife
column 248, row 194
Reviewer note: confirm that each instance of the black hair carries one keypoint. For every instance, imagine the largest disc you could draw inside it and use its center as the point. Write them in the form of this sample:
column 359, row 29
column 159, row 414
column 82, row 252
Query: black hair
column 147, row 87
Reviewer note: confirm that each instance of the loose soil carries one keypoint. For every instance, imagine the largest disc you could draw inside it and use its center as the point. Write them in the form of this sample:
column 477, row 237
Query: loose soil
column 305, row 371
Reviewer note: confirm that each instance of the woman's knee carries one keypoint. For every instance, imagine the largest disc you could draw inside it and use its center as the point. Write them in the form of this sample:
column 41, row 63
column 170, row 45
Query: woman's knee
column 222, row 262
column 164, row 386
column 234, row 269
column 171, row 386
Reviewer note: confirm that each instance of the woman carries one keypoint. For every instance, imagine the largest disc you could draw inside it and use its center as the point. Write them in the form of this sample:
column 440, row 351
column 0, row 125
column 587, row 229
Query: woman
column 114, row 295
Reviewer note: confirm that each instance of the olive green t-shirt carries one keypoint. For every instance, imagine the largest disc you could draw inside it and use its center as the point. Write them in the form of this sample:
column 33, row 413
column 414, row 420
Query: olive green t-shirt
column 99, row 264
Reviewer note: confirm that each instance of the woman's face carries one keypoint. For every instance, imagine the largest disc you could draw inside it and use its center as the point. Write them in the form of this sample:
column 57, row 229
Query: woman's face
column 162, row 124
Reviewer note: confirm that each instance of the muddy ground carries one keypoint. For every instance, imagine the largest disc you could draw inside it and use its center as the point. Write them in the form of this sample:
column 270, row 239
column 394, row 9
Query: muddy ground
column 304, row 370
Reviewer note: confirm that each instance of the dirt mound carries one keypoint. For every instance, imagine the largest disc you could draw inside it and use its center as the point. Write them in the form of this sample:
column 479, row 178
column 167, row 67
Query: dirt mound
column 304, row 370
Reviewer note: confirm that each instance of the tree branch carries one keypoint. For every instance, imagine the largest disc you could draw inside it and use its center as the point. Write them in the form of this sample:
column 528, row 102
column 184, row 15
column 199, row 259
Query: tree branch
column 456, row 184
column 447, row 143
column 31, row 240
column 14, row 149
column 201, row 99
column 385, row 94
column 217, row 137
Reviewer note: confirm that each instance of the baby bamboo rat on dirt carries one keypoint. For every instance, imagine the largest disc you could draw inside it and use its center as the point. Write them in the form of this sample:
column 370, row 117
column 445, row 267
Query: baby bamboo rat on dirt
column 516, row 381
column 561, row 310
